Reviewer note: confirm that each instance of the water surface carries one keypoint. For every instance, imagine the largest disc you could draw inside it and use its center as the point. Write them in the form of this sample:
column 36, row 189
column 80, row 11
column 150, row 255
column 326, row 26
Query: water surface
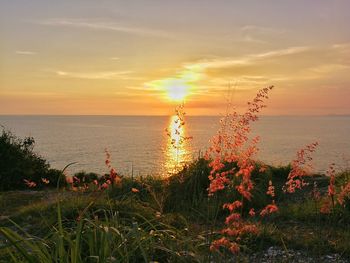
column 140, row 145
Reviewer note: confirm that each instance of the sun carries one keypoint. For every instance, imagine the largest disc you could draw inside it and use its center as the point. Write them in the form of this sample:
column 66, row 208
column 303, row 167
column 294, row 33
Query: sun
column 177, row 90
column 179, row 87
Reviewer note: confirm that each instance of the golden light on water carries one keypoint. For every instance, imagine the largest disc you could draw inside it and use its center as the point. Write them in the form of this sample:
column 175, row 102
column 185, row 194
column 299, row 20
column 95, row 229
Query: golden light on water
column 178, row 150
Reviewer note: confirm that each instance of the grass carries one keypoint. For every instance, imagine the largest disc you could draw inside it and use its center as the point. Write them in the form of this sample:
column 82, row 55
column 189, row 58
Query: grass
column 170, row 220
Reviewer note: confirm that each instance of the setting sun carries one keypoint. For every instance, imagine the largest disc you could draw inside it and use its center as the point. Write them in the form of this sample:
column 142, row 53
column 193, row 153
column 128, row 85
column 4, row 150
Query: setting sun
column 178, row 88
column 177, row 91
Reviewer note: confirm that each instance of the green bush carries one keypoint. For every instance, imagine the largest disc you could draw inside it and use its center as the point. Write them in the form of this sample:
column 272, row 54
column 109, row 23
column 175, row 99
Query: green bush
column 188, row 188
column 18, row 162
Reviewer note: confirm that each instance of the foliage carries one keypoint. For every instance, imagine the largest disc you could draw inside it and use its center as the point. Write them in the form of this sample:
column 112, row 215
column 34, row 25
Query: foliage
column 102, row 236
column 85, row 178
column 188, row 188
column 18, row 162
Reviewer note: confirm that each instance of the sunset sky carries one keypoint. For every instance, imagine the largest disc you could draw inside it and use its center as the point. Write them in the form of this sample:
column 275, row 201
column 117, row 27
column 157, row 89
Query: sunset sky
column 141, row 57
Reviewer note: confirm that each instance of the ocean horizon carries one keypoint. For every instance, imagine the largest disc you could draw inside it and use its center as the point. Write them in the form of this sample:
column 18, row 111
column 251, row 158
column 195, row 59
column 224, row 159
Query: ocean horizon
column 139, row 145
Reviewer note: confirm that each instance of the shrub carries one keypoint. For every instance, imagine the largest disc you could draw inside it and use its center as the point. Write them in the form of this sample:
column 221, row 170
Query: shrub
column 188, row 188
column 18, row 162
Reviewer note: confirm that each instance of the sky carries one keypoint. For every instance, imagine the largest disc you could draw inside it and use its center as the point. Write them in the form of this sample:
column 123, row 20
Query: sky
column 142, row 57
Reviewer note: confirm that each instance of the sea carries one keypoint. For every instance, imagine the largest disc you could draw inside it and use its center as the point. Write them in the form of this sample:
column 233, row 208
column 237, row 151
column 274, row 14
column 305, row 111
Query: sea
column 140, row 146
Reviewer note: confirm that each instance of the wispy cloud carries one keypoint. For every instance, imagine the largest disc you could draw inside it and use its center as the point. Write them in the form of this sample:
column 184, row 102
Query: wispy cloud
column 106, row 26
column 101, row 75
column 254, row 70
column 261, row 29
column 25, row 52
column 256, row 34
column 329, row 68
column 249, row 59
column 345, row 46
column 196, row 71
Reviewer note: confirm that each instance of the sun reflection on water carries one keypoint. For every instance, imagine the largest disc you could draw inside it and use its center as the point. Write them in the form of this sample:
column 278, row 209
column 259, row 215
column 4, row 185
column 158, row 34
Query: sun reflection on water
column 178, row 148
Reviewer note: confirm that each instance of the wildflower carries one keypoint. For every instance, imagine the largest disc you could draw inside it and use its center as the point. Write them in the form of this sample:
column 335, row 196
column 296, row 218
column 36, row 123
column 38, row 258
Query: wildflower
column 233, row 205
column 234, row 248
column 299, row 165
column 76, row 179
column 326, row 207
column 344, row 192
column 104, row 186
column 232, row 144
column 232, row 217
column 108, row 158
column 113, row 176
column 331, row 174
column 222, row 242
column 117, row 180
column 251, row 212
column 45, row 181
column 269, row 209
column 29, row 183
column 234, row 233
column 95, row 182
column 271, row 190
column 85, row 187
column 69, row 179
column 262, row 169
column 135, row 190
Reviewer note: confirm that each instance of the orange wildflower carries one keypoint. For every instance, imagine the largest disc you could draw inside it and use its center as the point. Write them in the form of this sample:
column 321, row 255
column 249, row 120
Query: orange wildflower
column 344, row 192
column 69, row 179
column 45, row 181
column 271, row 190
column 233, row 206
column 326, row 207
column 29, row 183
column 269, row 209
column 135, row 190
column 299, row 165
column 251, row 212
column 104, row 186
column 113, row 176
column 331, row 186
column 232, row 145
column 222, row 242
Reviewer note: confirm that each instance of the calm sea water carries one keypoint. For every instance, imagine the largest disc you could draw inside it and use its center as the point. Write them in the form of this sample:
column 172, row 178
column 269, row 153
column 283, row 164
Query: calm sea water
column 140, row 146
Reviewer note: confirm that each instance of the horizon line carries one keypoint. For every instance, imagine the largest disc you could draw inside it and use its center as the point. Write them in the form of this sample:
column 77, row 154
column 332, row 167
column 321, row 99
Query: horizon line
column 166, row 115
